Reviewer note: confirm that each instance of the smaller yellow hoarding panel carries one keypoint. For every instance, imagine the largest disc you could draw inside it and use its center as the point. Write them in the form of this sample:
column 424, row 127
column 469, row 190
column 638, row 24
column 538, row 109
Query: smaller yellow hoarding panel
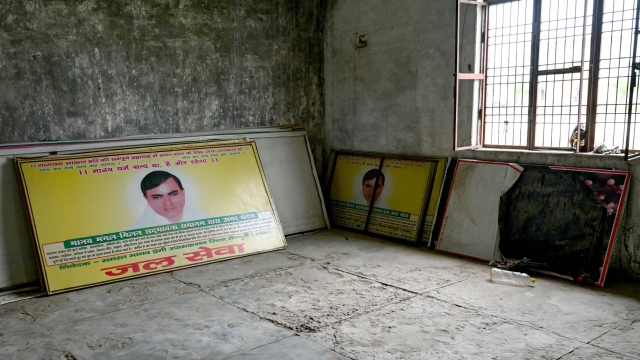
column 404, row 190
column 400, row 197
column 352, row 189
column 113, row 215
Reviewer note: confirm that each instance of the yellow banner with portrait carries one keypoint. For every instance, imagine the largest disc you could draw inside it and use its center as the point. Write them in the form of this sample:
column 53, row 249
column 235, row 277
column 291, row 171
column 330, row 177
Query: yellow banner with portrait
column 349, row 204
column 112, row 215
column 401, row 197
column 392, row 196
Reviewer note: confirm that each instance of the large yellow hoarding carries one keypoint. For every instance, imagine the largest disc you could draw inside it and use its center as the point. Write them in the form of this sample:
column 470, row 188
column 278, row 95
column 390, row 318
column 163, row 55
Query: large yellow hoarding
column 114, row 215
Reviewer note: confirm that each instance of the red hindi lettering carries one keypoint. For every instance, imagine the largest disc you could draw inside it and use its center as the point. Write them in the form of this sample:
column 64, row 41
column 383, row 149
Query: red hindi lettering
column 229, row 249
column 121, row 269
column 164, row 262
column 199, row 255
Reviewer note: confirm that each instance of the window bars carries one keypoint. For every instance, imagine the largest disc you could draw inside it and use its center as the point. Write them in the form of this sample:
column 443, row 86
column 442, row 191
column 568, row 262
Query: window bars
column 550, row 65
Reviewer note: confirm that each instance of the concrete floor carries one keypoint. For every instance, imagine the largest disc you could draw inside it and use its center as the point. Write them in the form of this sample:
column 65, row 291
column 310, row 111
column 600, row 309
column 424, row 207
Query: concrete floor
column 329, row 295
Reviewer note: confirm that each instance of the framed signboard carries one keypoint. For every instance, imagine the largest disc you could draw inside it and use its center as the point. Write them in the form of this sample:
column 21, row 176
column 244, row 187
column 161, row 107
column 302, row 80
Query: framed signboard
column 386, row 195
column 403, row 192
column 442, row 163
column 582, row 210
column 104, row 217
column 470, row 220
column 349, row 205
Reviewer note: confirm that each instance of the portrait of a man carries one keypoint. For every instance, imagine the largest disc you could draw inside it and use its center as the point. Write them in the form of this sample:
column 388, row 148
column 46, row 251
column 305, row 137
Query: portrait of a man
column 370, row 191
column 165, row 197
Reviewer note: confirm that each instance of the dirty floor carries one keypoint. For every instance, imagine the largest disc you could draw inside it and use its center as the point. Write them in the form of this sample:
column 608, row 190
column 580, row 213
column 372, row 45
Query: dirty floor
column 329, row 295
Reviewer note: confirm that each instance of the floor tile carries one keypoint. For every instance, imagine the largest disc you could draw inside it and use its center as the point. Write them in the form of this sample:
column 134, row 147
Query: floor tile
column 427, row 328
column 14, row 320
column 308, row 297
column 186, row 327
column 581, row 313
column 212, row 274
column 588, row 352
column 329, row 243
column 61, row 308
column 407, row 267
column 21, row 337
column 624, row 339
column 291, row 348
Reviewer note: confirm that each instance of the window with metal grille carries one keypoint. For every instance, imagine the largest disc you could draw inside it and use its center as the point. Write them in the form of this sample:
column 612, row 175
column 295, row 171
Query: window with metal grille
column 547, row 66
column 508, row 74
column 614, row 68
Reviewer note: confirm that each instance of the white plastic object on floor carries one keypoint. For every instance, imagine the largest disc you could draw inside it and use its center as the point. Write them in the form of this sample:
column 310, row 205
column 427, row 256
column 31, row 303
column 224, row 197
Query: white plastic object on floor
column 511, row 277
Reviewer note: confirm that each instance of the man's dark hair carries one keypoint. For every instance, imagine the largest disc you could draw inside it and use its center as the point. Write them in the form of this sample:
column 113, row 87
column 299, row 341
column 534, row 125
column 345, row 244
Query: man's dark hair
column 155, row 178
column 372, row 174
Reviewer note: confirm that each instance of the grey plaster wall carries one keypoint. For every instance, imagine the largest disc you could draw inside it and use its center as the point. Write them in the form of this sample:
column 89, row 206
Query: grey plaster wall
column 395, row 95
column 84, row 69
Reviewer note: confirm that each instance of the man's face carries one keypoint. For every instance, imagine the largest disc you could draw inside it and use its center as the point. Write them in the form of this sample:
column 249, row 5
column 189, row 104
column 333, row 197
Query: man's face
column 167, row 200
column 367, row 189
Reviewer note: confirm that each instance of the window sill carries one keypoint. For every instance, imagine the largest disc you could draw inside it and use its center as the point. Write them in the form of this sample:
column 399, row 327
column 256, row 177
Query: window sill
column 547, row 157
column 558, row 152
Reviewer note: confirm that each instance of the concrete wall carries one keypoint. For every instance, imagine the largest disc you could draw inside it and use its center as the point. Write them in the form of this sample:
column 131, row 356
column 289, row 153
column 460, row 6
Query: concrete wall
column 396, row 96
column 84, row 69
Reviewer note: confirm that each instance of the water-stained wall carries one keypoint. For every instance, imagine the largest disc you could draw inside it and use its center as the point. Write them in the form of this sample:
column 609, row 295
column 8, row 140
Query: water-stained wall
column 85, row 69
